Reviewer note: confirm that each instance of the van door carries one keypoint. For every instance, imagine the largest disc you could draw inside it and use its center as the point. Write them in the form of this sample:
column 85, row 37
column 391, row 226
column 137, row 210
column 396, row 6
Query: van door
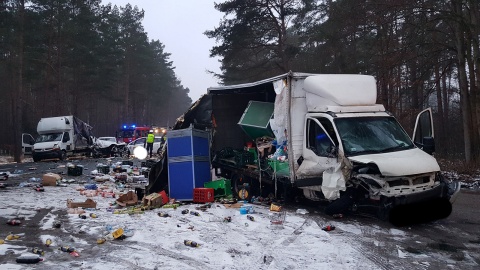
column 317, row 148
column 423, row 133
column 66, row 140
column 27, row 143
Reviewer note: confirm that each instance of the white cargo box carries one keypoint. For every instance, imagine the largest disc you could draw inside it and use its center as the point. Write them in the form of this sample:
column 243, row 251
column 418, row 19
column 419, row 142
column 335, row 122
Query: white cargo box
column 331, row 90
column 55, row 124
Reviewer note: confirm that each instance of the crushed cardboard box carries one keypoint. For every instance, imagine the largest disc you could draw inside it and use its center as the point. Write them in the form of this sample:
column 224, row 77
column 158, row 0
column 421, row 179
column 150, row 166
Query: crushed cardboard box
column 89, row 203
column 128, row 199
column 50, row 179
column 153, row 200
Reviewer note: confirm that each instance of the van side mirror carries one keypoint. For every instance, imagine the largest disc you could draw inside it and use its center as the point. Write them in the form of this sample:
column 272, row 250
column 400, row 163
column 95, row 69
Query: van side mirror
column 428, row 145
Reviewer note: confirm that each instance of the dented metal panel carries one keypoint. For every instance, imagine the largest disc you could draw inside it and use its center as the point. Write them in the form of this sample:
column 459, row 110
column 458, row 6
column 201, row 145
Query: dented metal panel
column 407, row 162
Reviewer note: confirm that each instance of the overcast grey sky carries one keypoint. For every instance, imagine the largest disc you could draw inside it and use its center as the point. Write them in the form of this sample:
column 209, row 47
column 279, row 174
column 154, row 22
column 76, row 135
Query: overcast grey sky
column 179, row 25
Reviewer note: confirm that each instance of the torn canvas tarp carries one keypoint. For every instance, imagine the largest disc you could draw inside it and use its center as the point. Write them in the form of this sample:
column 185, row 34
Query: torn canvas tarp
column 83, row 133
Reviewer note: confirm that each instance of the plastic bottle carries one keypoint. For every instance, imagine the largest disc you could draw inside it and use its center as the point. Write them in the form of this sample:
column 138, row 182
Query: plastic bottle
column 82, row 216
column 191, row 243
column 118, row 233
column 328, row 228
column 93, row 215
column 251, row 218
column 29, row 258
column 195, row 213
column 14, row 222
column 161, row 214
column 9, row 237
column 38, row 251
column 66, row 249
column 101, row 240
column 227, row 219
column 185, row 211
column 48, row 242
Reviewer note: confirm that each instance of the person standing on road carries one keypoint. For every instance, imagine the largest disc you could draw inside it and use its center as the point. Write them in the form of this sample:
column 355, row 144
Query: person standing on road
column 149, row 142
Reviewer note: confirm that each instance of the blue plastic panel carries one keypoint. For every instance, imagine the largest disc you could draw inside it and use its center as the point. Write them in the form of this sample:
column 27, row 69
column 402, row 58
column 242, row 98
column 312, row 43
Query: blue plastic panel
column 180, row 181
column 181, row 146
column 188, row 162
column 202, row 173
column 200, row 147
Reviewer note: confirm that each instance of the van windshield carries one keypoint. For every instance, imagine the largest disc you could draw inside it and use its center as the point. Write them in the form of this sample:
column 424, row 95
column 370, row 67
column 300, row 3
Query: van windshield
column 371, row 135
column 50, row 137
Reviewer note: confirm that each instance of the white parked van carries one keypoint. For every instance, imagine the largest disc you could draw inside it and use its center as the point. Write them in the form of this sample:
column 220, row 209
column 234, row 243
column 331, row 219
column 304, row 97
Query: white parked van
column 58, row 137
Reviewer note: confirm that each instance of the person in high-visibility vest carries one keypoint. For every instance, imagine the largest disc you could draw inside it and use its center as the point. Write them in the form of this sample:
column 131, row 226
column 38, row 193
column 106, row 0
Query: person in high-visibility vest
column 149, row 142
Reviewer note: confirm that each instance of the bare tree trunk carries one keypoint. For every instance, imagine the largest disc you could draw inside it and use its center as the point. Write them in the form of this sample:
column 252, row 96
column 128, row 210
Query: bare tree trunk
column 445, row 98
column 439, row 103
column 18, row 96
column 462, row 80
column 126, row 85
column 475, row 71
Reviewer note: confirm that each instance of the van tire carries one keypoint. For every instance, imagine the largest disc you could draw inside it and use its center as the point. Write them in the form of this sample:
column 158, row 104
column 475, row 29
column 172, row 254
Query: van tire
column 36, row 159
column 63, row 155
column 239, row 180
column 340, row 205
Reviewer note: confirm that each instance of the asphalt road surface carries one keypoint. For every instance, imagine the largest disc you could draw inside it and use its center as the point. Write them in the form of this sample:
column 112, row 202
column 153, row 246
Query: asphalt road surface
column 451, row 243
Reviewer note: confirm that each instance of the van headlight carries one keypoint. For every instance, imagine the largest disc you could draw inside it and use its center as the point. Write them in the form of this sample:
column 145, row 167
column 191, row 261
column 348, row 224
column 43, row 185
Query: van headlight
column 56, row 147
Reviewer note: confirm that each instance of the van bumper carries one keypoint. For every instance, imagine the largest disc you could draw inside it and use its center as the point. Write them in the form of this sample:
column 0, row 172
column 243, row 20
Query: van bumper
column 438, row 192
column 46, row 154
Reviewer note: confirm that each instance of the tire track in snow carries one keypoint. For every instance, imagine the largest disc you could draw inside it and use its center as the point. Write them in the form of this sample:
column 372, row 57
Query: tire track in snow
column 159, row 251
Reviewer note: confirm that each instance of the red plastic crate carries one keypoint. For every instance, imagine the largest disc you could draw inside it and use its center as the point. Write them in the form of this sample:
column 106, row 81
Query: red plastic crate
column 203, row 195
column 164, row 196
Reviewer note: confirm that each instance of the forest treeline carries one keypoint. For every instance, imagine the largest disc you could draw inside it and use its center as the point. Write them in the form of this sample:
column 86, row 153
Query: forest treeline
column 82, row 58
column 423, row 53
column 95, row 61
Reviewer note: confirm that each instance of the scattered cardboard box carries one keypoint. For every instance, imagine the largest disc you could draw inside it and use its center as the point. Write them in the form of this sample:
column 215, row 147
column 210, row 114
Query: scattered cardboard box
column 89, row 203
column 233, row 205
column 50, row 179
column 275, row 208
column 76, row 211
column 128, row 199
column 153, row 200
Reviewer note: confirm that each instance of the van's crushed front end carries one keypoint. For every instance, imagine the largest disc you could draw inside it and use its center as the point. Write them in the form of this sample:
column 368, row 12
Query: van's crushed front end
column 402, row 184
column 387, row 173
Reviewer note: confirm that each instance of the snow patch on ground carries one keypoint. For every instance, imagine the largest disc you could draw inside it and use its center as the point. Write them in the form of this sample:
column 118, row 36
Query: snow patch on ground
column 158, row 242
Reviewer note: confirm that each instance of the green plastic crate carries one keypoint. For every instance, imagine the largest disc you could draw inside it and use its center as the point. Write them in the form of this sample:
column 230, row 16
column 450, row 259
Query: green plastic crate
column 255, row 120
column 279, row 167
column 222, row 187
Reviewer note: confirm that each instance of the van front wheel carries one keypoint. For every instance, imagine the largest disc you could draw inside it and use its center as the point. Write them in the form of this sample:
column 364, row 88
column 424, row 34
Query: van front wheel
column 63, row 155
column 340, row 205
